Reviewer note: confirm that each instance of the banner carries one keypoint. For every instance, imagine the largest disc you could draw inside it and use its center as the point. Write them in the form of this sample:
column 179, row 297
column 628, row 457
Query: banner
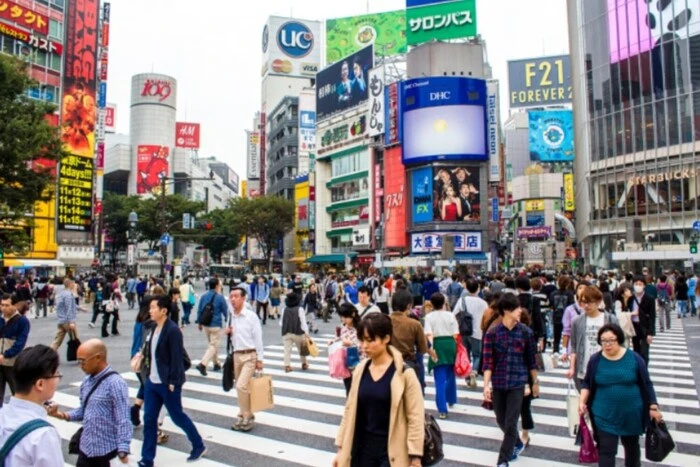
column 539, row 82
column 343, row 85
column 395, row 199
column 569, row 195
column 494, row 130
column 456, row 194
column 40, row 43
column 187, row 135
column 393, row 113
column 24, row 17
column 376, row 101
column 111, row 118
column 469, row 242
column 551, row 135
column 253, row 155
column 75, row 192
column 441, row 21
column 535, row 232
column 387, row 31
column 422, row 193
column 152, row 165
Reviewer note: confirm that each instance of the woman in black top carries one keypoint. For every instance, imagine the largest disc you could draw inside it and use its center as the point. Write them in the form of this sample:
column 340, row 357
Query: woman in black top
column 682, row 297
column 312, row 304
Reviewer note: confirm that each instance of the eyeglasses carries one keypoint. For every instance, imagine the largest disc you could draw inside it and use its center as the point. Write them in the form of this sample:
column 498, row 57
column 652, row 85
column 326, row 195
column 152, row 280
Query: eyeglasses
column 57, row 375
column 82, row 361
column 608, row 341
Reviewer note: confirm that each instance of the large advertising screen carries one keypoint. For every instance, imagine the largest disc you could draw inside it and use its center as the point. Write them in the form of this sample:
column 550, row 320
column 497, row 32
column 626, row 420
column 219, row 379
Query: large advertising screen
column 291, row 47
column 387, row 31
column 395, row 199
column 422, row 194
column 343, row 85
column 456, row 194
column 441, row 21
column 551, row 135
column 444, row 118
column 75, row 193
column 536, row 82
column 152, row 165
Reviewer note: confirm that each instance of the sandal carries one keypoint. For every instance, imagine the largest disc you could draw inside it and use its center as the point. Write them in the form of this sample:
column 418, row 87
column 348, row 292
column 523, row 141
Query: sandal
column 287, row 369
column 304, row 366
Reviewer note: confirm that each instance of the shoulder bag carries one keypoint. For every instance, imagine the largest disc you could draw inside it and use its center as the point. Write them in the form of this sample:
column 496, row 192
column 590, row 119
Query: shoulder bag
column 74, row 443
column 19, row 434
column 228, row 375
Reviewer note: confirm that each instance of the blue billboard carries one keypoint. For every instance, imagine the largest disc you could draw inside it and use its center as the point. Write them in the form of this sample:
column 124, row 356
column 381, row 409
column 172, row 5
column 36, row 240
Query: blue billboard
column 551, row 135
column 422, row 194
column 444, row 118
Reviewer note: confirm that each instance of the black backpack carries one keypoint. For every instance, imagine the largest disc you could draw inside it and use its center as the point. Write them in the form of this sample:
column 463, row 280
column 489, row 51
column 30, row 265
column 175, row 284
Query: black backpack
column 466, row 321
column 329, row 295
column 559, row 303
column 208, row 312
column 432, row 442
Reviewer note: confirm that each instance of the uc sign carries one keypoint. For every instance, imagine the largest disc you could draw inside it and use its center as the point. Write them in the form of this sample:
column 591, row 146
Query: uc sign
column 540, row 81
column 295, row 39
column 157, row 88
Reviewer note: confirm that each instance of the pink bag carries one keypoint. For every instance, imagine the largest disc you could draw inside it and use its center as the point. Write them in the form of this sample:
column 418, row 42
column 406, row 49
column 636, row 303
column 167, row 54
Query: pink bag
column 588, row 454
column 463, row 367
column 336, row 364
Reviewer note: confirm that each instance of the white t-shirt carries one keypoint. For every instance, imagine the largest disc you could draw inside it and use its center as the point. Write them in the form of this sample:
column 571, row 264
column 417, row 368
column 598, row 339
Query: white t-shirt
column 592, row 327
column 370, row 309
column 154, row 376
column 382, row 297
column 441, row 323
column 476, row 306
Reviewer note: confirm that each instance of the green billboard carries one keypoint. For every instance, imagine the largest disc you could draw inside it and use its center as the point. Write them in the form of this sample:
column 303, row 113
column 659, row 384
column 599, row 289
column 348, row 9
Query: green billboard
column 442, row 21
column 345, row 36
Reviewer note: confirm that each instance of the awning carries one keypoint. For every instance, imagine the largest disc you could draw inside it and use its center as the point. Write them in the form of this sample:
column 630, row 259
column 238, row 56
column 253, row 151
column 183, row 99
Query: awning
column 41, row 263
column 324, row 259
column 12, row 263
column 297, row 259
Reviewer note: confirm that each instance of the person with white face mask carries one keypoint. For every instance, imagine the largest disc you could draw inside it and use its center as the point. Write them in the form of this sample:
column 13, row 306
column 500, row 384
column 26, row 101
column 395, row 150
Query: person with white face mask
column 643, row 308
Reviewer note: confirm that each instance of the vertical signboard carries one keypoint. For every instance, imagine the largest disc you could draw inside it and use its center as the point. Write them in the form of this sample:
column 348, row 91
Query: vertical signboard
column 378, row 193
column 393, row 114
column 262, row 148
column 78, row 117
column 422, row 194
column 569, row 195
column 376, row 102
column 307, row 128
column 253, row 155
column 395, row 199
column 493, row 123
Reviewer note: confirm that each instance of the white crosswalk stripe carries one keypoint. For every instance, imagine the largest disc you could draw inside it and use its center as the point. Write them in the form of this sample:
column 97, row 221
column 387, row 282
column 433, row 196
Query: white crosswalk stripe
column 301, row 428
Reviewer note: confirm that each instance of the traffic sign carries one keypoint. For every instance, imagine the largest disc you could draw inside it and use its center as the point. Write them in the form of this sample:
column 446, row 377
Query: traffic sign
column 696, row 226
column 165, row 239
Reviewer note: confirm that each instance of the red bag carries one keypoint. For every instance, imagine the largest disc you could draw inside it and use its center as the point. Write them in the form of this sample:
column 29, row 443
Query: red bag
column 588, row 454
column 463, row 367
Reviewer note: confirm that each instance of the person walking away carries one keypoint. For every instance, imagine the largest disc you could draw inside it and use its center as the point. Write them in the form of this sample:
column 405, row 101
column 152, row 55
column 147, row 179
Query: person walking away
column 211, row 316
column 454, row 292
column 104, row 409
column 380, row 296
column 619, row 396
column 141, row 288
column 92, row 287
column 644, row 321
column 14, row 332
column 664, row 298
column 363, row 303
column 276, row 292
column 384, row 413
column 348, row 335
column 584, row 333
column 442, row 333
column 43, row 292
column 112, row 298
column 330, row 296
column 417, row 290
column 681, row 297
column 248, row 354
column 692, row 286
column 559, row 300
column 97, row 306
column 174, row 294
column 262, row 298
column 295, row 330
column 186, row 298
column 508, row 362
column 36, row 380
column 131, row 292
column 407, row 335
column 534, row 308
column 66, row 314
column 469, row 312
column 312, row 305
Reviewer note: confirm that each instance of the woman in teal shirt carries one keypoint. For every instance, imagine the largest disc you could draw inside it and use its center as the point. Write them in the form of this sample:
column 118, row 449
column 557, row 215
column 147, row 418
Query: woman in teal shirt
column 619, row 396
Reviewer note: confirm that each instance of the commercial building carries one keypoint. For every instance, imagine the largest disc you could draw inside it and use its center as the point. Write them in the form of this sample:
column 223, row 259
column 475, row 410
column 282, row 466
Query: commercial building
column 283, row 148
column 635, row 70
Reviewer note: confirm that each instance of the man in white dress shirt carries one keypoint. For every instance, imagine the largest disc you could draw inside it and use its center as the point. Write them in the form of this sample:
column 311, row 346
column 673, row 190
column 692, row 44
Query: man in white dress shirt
column 36, row 379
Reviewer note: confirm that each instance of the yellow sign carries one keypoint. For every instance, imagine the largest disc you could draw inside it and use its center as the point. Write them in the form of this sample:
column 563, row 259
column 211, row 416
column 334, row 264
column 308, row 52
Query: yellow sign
column 534, row 205
column 244, row 188
column 569, row 197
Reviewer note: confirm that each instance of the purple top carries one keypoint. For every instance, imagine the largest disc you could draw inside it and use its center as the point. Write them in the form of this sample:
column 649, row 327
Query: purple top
column 571, row 312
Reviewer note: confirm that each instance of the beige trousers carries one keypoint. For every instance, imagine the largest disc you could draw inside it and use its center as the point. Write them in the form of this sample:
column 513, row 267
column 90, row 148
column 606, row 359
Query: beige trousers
column 290, row 339
column 63, row 329
column 244, row 369
column 212, row 353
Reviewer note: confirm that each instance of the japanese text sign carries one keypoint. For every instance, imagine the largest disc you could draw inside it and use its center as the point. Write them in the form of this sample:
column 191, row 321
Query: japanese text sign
column 569, row 197
column 75, row 193
column 37, row 42
column 187, row 135
column 451, row 20
column 376, row 102
column 393, row 113
column 534, row 205
column 466, row 242
column 535, row 232
column 24, row 17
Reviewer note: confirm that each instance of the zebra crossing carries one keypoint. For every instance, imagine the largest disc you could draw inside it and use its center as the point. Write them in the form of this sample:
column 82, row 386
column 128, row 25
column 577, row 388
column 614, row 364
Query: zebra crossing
column 301, row 428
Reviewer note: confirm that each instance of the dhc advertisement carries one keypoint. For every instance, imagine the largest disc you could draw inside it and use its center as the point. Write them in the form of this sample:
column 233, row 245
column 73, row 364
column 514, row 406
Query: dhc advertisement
column 422, row 193
column 444, row 118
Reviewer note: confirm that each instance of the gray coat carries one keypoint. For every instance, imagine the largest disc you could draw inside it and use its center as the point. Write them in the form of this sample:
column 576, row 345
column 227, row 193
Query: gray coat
column 578, row 340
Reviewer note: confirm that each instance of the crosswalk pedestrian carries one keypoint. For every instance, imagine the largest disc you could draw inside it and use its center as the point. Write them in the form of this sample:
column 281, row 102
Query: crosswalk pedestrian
column 302, row 426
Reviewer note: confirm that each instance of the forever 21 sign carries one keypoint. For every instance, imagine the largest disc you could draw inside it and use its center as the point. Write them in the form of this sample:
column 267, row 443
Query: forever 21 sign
column 376, row 102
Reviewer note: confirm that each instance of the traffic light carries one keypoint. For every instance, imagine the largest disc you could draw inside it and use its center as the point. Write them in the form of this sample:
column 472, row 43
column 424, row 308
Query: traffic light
column 693, row 247
column 2, row 259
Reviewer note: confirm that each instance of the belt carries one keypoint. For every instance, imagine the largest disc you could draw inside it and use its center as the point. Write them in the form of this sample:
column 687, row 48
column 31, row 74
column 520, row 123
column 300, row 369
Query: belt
column 244, row 351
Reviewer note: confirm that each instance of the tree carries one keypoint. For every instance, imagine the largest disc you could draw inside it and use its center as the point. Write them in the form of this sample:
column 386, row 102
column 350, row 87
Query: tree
column 150, row 226
column 265, row 218
column 225, row 233
column 116, row 209
column 29, row 149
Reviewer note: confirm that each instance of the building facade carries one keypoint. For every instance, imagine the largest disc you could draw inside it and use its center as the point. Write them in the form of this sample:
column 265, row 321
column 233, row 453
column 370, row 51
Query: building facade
column 282, row 158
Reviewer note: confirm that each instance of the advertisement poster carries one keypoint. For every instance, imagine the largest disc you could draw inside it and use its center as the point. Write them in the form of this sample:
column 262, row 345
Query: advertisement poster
column 75, row 192
column 569, row 196
column 376, row 102
column 551, row 135
column 307, row 129
column 343, row 85
column 456, row 196
column 111, row 118
column 24, row 17
column 291, row 47
column 395, row 199
column 469, row 242
column 40, row 43
column 441, row 21
column 422, row 193
column 444, row 118
column 387, row 31
column 537, row 82
column 151, row 166
column 187, row 135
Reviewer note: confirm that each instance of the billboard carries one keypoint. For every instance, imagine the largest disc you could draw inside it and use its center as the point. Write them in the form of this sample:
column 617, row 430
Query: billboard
column 291, row 47
column 24, row 17
column 253, row 151
column 343, row 85
column 395, row 199
column 40, row 43
column 387, row 31
column 75, row 191
column 187, row 135
column 377, row 114
column 441, row 21
column 551, row 134
column 422, row 194
column 111, row 118
column 152, row 165
column 307, row 128
column 444, row 118
column 494, row 130
column 393, row 119
column 569, row 195
column 342, row 134
column 456, row 194
column 233, row 180
column 536, row 82
column 464, row 242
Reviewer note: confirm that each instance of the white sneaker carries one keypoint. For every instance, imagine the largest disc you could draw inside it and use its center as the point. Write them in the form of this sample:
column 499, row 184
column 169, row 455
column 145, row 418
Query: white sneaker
column 92, row 325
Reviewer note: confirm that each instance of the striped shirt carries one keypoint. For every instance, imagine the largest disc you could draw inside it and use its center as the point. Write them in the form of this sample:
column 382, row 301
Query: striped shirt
column 106, row 423
column 509, row 355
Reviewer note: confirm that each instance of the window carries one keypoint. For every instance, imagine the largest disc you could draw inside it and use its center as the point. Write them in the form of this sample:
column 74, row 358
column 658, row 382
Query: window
column 55, row 62
column 56, row 29
column 60, row 4
column 350, row 190
column 351, row 163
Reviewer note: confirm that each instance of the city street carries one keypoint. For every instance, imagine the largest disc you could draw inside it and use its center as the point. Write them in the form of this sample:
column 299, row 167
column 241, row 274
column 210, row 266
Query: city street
column 301, row 428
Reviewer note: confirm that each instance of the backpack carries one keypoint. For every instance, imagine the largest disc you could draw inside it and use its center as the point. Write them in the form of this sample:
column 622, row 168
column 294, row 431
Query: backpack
column 466, row 321
column 662, row 294
column 329, row 291
column 432, row 442
column 208, row 312
column 19, row 434
column 559, row 303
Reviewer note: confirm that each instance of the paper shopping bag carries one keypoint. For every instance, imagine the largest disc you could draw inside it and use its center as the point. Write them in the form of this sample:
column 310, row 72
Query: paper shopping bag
column 572, row 401
column 261, row 395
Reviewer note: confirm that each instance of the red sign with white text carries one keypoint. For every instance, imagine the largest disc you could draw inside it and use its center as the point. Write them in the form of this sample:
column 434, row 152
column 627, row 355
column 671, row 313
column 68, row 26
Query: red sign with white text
column 110, row 119
column 33, row 40
column 25, row 17
column 394, row 199
column 187, row 135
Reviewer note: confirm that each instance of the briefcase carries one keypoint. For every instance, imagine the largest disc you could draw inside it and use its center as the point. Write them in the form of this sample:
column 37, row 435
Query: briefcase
column 261, row 394
column 72, row 352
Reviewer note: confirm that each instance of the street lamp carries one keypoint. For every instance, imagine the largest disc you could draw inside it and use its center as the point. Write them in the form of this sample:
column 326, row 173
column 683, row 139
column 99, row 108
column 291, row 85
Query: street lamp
column 131, row 253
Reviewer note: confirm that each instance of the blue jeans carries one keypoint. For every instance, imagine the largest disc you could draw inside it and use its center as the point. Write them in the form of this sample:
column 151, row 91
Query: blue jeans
column 682, row 307
column 693, row 310
column 186, row 310
column 157, row 395
column 473, row 347
column 445, row 387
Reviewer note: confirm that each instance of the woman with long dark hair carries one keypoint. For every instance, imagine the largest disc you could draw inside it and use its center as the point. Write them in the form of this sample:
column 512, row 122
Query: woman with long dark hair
column 348, row 334
column 380, row 296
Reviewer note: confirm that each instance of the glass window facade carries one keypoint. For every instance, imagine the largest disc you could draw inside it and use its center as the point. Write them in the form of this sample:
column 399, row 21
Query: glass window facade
column 353, row 189
column 350, row 163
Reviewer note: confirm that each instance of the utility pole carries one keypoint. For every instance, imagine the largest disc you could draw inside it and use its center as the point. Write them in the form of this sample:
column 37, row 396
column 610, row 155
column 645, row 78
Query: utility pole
column 163, row 228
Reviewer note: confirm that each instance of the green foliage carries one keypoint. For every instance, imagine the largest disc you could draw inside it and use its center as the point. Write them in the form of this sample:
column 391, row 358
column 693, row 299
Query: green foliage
column 116, row 209
column 225, row 234
column 26, row 140
column 153, row 218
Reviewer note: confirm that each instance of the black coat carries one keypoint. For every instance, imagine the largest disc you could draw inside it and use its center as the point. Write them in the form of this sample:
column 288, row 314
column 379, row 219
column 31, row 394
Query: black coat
column 533, row 306
column 169, row 354
column 647, row 315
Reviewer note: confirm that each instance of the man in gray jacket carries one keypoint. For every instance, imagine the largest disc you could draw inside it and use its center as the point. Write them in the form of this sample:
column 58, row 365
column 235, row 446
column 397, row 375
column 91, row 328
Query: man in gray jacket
column 584, row 332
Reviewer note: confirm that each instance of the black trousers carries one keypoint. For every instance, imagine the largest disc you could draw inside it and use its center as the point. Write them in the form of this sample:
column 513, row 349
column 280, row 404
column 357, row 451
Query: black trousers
column 607, row 449
column 7, row 375
column 373, row 452
column 383, row 307
column 506, row 405
column 639, row 343
column 258, row 306
column 105, row 322
column 102, row 461
column 558, row 329
column 347, row 382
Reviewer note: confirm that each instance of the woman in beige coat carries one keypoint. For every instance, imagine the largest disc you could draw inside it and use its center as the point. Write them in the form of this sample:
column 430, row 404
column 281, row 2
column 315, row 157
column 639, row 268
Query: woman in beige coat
column 384, row 415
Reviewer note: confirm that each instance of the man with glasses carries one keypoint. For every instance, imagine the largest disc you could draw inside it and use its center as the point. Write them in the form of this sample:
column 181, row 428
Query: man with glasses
column 14, row 331
column 36, row 378
column 107, row 428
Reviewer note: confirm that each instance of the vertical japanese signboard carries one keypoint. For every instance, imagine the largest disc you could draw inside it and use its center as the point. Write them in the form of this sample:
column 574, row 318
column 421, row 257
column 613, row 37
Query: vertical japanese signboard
column 376, row 102
column 569, row 195
column 253, row 155
column 393, row 114
column 78, row 116
column 493, row 128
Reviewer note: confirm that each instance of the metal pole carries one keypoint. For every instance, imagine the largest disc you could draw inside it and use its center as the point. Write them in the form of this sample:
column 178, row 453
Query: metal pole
column 163, row 229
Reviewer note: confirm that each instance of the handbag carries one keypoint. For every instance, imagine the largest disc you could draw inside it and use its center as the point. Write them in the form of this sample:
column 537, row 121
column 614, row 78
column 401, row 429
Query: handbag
column 336, row 364
column 588, row 453
column 463, row 366
column 572, row 402
column 658, row 442
column 227, row 374
column 261, row 393
column 304, row 349
column 74, row 443
column 72, row 350
column 352, row 357
column 625, row 320
column 313, row 348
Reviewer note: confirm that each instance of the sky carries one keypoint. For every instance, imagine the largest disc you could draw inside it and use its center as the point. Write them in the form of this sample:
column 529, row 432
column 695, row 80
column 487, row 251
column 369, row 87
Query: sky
column 213, row 49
